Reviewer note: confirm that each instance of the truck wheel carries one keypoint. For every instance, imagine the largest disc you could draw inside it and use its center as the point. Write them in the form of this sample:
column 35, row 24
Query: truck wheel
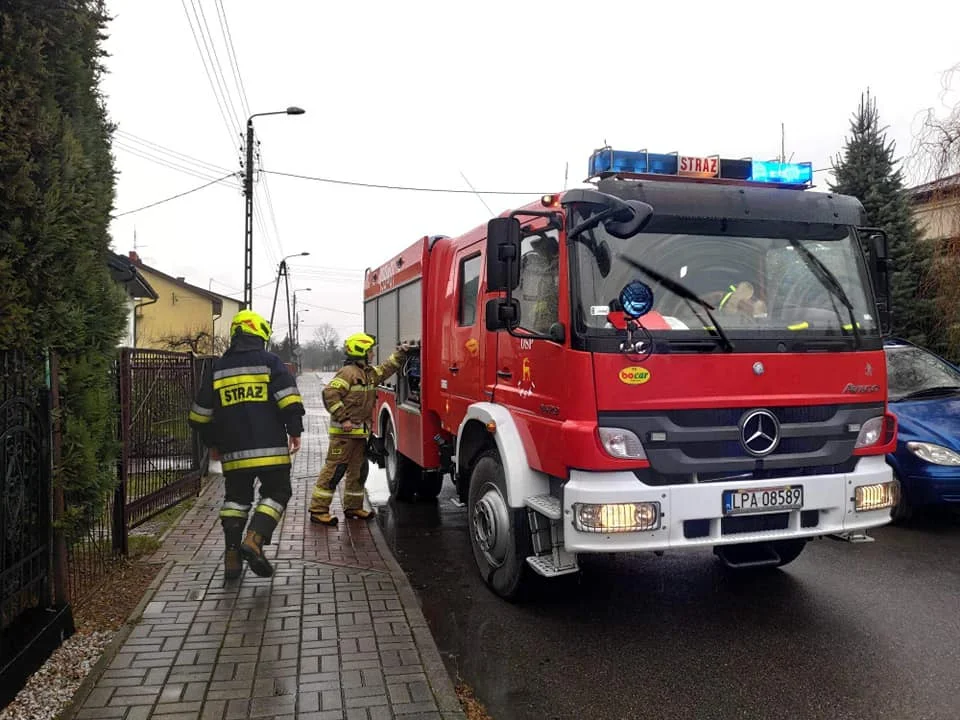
column 499, row 534
column 401, row 472
column 902, row 512
column 430, row 485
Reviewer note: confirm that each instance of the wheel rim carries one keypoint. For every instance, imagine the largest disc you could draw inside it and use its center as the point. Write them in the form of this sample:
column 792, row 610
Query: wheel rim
column 491, row 525
column 391, row 449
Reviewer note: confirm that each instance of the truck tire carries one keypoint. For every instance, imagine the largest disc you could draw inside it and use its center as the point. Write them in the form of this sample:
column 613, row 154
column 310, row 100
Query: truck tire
column 401, row 471
column 499, row 534
column 430, row 485
column 902, row 512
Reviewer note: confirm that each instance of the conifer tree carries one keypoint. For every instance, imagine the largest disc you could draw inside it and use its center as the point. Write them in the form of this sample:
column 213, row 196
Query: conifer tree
column 868, row 169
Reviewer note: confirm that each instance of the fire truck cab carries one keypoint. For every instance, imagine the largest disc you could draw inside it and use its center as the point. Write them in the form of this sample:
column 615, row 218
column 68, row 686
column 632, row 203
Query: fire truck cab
column 686, row 354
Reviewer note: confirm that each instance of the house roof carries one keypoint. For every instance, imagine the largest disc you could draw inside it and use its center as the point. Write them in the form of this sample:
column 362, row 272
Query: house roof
column 125, row 272
column 948, row 185
column 216, row 298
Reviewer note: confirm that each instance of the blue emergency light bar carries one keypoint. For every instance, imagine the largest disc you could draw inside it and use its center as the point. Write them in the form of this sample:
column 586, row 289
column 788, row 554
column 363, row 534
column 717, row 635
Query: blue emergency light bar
column 607, row 161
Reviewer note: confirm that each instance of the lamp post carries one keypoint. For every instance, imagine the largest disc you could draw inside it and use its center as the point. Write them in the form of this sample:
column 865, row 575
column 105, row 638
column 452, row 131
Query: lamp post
column 296, row 334
column 248, row 215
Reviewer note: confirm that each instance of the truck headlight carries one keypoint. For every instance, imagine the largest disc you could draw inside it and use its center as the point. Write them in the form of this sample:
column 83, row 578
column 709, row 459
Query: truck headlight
column 934, row 454
column 620, row 443
column 878, row 496
column 616, row 517
column 870, row 432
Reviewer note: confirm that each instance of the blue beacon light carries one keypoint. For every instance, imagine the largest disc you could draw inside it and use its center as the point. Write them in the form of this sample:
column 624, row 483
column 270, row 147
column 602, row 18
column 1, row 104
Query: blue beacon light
column 607, row 161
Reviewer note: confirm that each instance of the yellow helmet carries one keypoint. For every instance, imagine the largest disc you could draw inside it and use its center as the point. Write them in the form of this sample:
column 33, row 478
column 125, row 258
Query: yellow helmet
column 358, row 345
column 251, row 323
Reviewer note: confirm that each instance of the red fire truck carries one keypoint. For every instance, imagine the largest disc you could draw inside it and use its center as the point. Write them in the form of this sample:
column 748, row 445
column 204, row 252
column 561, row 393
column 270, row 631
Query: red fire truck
column 685, row 354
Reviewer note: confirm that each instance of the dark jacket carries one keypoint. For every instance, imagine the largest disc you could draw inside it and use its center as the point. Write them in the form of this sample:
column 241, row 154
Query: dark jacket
column 247, row 405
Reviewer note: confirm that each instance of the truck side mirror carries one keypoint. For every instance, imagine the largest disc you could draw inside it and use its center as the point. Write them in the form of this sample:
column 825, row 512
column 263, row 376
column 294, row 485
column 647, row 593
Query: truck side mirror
column 503, row 254
column 502, row 314
column 878, row 252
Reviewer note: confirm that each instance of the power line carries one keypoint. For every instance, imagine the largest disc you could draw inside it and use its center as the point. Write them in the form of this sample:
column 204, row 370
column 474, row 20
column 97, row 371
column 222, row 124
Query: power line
column 231, row 130
column 146, row 154
column 459, row 191
column 232, row 57
column 129, row 137
column 215, row 61
column 330, row 309
column 173, row 197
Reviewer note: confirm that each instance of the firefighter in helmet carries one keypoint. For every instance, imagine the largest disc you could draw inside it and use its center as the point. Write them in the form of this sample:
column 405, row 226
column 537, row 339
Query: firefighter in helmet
column 249, row 412
column 349, row 398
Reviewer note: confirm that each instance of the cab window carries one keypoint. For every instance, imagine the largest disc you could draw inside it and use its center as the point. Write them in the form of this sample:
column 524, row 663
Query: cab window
column 539, row 291
column 469, row 286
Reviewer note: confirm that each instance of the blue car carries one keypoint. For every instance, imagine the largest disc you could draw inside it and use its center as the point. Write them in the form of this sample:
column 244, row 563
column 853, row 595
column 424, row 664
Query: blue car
column 924, row 394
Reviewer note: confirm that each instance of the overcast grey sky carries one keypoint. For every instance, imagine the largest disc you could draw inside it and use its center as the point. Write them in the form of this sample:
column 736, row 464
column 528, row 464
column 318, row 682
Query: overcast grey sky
column 507, row 93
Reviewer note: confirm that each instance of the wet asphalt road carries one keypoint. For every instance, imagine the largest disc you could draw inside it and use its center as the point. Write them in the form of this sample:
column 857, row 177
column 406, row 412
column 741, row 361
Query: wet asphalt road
column 846, row 631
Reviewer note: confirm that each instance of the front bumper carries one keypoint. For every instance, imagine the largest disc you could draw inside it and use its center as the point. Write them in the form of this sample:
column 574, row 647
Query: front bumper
column 691, row 514
column 937, row 485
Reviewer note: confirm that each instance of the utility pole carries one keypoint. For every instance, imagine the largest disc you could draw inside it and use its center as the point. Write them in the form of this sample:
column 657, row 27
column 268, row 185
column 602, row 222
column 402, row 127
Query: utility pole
column 248, row 221
column 283, row 272
column 248, row 212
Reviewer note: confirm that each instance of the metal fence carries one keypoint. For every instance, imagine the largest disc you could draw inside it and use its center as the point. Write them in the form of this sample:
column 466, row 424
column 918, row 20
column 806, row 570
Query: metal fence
column 161, row 461
column 24, row 487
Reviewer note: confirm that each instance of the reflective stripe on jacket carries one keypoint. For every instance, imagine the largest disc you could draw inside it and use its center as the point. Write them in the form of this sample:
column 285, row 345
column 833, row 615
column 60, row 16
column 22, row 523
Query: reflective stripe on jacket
column 352, row 394
column 247, row 406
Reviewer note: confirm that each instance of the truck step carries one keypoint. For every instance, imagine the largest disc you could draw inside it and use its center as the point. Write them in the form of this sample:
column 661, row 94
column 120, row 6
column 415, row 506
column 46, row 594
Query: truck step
column 546, row 505
column 852, row 537
column 546, row 566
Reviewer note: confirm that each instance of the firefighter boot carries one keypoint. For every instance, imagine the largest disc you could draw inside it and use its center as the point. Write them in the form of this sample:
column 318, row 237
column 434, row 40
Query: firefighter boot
column 232, row 534
column 252, row 551
column 324, row 519
column 232, row 563
column 360, row 514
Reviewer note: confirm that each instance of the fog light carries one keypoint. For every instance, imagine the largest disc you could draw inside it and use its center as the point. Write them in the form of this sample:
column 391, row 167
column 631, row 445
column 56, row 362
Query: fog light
column 619, row 517
column 875, row 497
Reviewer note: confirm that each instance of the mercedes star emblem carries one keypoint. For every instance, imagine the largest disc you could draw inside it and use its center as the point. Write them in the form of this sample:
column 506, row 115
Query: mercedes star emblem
column 760, row 432
column 758, row 368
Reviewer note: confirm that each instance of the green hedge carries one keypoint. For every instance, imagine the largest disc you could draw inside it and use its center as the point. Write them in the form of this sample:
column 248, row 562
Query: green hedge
column 56, row 196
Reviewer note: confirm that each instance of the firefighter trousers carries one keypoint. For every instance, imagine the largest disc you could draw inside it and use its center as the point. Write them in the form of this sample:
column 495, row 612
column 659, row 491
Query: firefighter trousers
column 275, row 492
column 346, row 459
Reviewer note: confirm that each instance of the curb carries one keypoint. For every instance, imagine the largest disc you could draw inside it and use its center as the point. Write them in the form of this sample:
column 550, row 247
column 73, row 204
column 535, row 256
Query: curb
column 108, row 655
column 437, row 676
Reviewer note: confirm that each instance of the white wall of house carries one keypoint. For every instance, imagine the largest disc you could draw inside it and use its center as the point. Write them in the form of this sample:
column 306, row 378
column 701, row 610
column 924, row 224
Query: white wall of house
column 129, row 336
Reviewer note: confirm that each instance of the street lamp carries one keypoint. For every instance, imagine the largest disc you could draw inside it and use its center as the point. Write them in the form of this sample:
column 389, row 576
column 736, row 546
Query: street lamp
column 248, row 192
column 296, row 335
column 282, row 273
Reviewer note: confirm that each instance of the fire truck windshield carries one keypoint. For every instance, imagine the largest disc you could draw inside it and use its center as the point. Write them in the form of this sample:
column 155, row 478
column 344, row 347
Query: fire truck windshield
column 757, row 278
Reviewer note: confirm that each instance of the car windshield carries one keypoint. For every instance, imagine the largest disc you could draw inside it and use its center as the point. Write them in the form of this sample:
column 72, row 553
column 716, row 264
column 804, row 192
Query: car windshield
column 915, row 372
column 759, row 283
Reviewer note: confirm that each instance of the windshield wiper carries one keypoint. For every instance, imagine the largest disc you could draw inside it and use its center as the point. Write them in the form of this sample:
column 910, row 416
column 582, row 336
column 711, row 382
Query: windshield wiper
column 830, row 282
column 930, row 392
column 684, row 292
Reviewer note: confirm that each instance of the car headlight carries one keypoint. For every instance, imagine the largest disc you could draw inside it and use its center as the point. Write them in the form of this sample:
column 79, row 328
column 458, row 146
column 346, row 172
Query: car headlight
column 934, row 454
column 620, row 443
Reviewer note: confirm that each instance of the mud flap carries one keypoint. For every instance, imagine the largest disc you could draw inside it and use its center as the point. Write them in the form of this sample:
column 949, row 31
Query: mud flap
column 376, row 452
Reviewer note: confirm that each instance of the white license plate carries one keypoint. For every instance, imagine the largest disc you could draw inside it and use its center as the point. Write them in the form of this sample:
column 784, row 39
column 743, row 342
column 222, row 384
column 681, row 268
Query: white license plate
column 761, row 500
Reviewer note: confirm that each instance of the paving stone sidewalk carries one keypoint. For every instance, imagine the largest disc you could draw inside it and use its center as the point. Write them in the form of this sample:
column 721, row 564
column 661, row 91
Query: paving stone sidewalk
column 336, row 634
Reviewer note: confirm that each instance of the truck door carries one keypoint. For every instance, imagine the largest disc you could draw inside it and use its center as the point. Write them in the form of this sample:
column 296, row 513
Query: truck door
column 460, row 358
column 530, row 373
